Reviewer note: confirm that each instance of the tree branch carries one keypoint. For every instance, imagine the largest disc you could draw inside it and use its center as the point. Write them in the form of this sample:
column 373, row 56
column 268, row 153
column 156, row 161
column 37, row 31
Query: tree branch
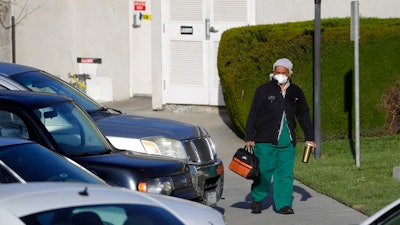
column 25, row 11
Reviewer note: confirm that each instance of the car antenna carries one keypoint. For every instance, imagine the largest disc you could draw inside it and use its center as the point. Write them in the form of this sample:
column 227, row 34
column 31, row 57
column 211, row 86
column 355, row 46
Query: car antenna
column 72, row 63
column 84, row 192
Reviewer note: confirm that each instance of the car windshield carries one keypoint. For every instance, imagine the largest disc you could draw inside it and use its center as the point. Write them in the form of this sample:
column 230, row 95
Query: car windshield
column 72, row 129
column 41, row 81
column 34, row 163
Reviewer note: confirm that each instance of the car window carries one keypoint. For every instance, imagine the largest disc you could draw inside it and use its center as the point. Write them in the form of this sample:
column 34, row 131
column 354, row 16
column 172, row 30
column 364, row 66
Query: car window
column 34, row 163
column 11, row 125
column 71, row 129
column 111, row 214
column 392, row 217
column 40, row 81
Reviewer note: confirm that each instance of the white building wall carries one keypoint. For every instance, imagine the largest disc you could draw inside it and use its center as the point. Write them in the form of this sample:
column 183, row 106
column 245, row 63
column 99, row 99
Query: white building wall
column 271, row 11
column 140, row 49
column 102, row 31
column 43, row 37
column 156, row 57
column 60, row 31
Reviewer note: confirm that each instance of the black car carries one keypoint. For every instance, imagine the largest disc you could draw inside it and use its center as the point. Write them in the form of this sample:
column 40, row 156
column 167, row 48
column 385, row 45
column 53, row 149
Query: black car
column 59, row 124
column 132, row 132
column 24, row 161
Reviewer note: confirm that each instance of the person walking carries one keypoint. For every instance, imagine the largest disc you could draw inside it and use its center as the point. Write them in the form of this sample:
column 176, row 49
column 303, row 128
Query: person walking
column 270, row 129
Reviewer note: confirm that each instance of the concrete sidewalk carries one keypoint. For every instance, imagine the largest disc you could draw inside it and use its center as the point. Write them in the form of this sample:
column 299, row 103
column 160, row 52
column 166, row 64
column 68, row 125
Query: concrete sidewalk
column 311, row 208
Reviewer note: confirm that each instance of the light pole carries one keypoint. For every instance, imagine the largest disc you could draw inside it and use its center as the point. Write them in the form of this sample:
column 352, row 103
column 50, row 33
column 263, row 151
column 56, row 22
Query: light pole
column 317, row 78
column 355, row 35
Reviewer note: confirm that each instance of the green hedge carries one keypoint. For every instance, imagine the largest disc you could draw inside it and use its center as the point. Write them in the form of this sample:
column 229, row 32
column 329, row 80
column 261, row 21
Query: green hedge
column 246, row 55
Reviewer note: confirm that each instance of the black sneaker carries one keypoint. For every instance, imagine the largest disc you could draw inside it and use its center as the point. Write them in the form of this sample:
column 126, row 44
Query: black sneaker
column 256, row 207
column 286, row 210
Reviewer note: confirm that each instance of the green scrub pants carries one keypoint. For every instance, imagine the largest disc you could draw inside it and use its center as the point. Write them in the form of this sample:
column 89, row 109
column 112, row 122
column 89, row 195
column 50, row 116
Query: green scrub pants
column 277, row 162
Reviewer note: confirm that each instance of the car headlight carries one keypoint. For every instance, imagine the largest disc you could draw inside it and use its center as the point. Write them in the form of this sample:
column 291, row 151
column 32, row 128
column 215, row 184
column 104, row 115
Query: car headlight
column 212, row 146
column 163, row 185
column 164, row 146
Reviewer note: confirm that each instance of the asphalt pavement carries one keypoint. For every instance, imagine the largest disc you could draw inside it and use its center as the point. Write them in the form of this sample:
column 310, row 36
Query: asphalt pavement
column 311, row 207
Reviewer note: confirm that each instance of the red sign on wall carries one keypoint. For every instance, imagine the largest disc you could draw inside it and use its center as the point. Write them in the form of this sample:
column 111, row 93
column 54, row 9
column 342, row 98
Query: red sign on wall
column 139, row 5
column 88, row 60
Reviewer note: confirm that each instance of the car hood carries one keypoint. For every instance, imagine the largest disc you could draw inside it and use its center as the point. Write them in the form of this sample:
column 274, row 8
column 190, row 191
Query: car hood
column 134, row 126
column 13, row 196
column 150, row 165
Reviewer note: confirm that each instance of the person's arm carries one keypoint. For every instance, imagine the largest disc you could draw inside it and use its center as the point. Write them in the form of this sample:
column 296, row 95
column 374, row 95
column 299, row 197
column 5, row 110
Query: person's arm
column 250, row 130
column 303, row 117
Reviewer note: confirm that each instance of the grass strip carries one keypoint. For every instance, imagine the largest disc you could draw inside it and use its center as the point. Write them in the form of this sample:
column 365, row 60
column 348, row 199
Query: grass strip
column 366, row 188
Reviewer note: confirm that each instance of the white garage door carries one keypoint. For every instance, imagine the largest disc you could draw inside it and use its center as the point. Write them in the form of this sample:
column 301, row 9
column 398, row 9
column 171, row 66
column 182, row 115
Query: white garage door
column 191, row 33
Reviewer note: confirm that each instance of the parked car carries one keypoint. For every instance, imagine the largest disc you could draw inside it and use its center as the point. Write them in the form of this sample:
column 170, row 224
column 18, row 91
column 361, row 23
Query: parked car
column 59, row 124
column 132, row 132
column 388, row 215
column 27, row 161
column 83, row 204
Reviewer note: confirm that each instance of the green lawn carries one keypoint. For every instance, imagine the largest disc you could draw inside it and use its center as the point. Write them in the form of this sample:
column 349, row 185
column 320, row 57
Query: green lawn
column 366, row 188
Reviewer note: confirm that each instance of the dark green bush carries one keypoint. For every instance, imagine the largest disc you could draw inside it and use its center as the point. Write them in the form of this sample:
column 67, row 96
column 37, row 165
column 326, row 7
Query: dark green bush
column 246, row 55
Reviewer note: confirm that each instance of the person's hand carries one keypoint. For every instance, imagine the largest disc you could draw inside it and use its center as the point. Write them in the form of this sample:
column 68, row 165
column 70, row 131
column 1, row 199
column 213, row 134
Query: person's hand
column 250, row 143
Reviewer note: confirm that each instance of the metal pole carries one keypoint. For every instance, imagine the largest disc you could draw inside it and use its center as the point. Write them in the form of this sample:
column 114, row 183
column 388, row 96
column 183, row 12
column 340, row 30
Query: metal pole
column 317, row 78
column 13, row 38
column 356, row 36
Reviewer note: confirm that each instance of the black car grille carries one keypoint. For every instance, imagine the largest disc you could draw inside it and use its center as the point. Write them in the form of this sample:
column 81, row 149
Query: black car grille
column 182, row 181
column 200, row 150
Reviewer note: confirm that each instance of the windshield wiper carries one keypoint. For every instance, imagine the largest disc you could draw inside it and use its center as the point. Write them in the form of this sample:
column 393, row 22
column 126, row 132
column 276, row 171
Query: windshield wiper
column 85, row 154
column 106, row 151
column 104, row 109
column 112, row 109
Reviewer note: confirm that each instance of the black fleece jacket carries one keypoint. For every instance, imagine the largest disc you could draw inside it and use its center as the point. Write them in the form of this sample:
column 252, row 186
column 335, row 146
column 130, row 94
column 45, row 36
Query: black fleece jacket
column 265, row 115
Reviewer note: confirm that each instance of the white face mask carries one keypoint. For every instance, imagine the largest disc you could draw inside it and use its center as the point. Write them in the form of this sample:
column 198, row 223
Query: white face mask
column 282, row 79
